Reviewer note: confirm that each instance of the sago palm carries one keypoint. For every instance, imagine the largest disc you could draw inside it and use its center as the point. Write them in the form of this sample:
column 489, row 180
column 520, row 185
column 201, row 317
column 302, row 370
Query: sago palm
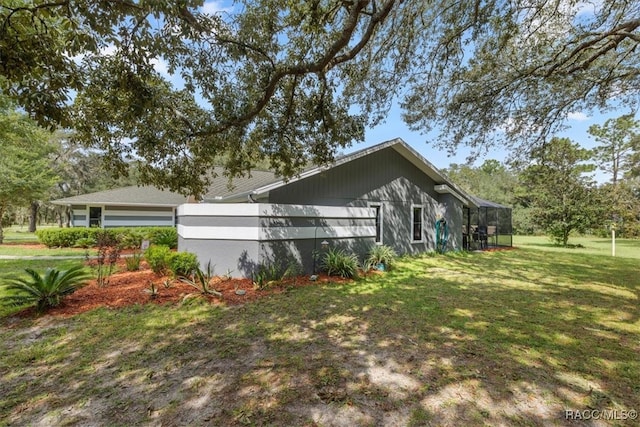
column 46, row 290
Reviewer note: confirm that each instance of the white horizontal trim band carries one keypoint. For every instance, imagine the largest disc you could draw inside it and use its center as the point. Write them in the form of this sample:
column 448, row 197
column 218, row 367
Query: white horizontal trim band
column 137, row 213
column 135, row 223
column 273, row 233
column 273, row 210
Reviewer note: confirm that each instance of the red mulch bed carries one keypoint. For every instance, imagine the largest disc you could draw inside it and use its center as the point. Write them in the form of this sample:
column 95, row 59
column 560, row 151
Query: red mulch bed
column 129, row 288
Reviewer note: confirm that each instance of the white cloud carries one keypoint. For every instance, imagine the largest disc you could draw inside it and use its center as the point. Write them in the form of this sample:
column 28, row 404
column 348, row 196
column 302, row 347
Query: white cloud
column 108, row 50
column 160, row 66
column 214, row 7
column 578, row 116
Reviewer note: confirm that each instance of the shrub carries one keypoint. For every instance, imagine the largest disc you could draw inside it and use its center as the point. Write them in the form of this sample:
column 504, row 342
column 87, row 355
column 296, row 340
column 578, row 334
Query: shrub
column 270, row 273
column 128, row 237
column 381, row 254
column 337, row 262
column 200, row 279
column 108, row 246
column 158, row 258
column 63, row 237
column 85, row 242
column 133, row 261
column 45, row 291
column 164, row 236
column 183, row 263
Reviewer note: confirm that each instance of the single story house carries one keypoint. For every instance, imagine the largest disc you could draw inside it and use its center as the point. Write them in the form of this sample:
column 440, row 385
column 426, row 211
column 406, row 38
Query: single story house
column 131, row 206
column 386, row 194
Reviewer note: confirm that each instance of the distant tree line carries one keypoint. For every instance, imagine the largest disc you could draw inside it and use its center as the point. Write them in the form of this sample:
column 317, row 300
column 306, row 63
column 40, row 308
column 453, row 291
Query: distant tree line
column 554, row 192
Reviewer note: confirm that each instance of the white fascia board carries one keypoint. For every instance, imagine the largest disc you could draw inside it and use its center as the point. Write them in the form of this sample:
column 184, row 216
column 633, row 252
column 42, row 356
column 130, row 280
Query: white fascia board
column 219, row 209
column 445, row 189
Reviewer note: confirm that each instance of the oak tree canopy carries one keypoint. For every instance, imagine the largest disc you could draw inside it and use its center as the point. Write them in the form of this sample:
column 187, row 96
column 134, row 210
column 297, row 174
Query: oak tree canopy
column 292, row 82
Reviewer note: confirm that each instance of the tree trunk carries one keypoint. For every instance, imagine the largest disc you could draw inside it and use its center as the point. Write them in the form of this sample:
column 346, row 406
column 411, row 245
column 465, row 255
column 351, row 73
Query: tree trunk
column 67, row 216
column 33, row 216
column 1, row 231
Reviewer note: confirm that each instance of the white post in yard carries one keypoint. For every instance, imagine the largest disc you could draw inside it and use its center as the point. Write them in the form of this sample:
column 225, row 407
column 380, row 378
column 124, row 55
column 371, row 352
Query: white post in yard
column 613, row 240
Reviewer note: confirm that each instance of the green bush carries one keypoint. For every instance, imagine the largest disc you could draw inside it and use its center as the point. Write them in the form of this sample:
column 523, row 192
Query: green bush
column 133, row 261
column 164, row 236
column 85, row 242
column 183, row 263
column 381, row 254
column 158, row 258
column 45, row 291
column 129, row 237
column 64, row 237
column 337, row 262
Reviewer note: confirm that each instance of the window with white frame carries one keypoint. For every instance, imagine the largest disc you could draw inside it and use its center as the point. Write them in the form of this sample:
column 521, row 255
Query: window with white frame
column 378, row 208
column 416, row 224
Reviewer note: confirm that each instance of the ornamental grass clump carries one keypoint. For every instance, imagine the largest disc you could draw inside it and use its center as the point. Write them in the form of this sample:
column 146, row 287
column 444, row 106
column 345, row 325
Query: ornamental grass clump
column 381, row 257
column 337, row 262
column 45, row 291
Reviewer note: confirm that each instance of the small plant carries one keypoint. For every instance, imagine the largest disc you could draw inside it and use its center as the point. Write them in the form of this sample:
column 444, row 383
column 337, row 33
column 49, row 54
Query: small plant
column 381, row 255
column 166, row 283
column 158, row 258
column 227, row 276
column 152, row 290
column 337, row 262
column 200, row 279
column 133, row 261
column 45, row 291
column 108, row 254
column 183, row 263
column 269, row 274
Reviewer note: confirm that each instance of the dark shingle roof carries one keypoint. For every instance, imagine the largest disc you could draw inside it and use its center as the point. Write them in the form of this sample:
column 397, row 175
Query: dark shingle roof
column 221, row 189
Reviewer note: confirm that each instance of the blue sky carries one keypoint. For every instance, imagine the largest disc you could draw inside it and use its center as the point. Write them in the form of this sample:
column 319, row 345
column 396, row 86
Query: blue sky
column 578, row 123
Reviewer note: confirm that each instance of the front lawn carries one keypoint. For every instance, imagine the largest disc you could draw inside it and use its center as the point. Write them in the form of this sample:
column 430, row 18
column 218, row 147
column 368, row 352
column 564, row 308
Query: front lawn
column 504, row 338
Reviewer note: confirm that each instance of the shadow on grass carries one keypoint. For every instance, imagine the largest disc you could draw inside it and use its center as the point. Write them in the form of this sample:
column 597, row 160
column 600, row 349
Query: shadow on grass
column 512, row 338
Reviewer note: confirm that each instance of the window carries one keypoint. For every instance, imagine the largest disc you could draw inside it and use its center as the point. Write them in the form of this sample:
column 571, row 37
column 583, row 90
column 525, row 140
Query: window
column 378, row 208
column 416, row 224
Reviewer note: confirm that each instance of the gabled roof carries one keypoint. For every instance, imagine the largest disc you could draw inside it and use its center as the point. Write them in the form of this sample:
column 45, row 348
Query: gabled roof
column 127, row 196
column 220, row 189
column 397, row 144
column 259, row 183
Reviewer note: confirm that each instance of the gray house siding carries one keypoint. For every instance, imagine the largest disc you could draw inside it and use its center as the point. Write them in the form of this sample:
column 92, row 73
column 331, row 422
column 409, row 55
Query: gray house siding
column 387, row 178
column 122, row 216
column 238, row 238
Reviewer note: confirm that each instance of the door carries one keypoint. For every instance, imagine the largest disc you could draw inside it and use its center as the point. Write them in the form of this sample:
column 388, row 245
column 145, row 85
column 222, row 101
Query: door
column 95, row 216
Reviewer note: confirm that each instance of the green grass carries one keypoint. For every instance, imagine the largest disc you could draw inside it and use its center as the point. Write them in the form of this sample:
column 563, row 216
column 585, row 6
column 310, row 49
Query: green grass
column 16, row 250
column 15, row 236
column 503, row 338
column 19, row 234
column 625, row 248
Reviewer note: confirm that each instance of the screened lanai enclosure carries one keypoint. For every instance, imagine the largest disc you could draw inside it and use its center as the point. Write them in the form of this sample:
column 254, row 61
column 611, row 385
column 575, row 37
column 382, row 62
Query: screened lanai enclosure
column 486, row 226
